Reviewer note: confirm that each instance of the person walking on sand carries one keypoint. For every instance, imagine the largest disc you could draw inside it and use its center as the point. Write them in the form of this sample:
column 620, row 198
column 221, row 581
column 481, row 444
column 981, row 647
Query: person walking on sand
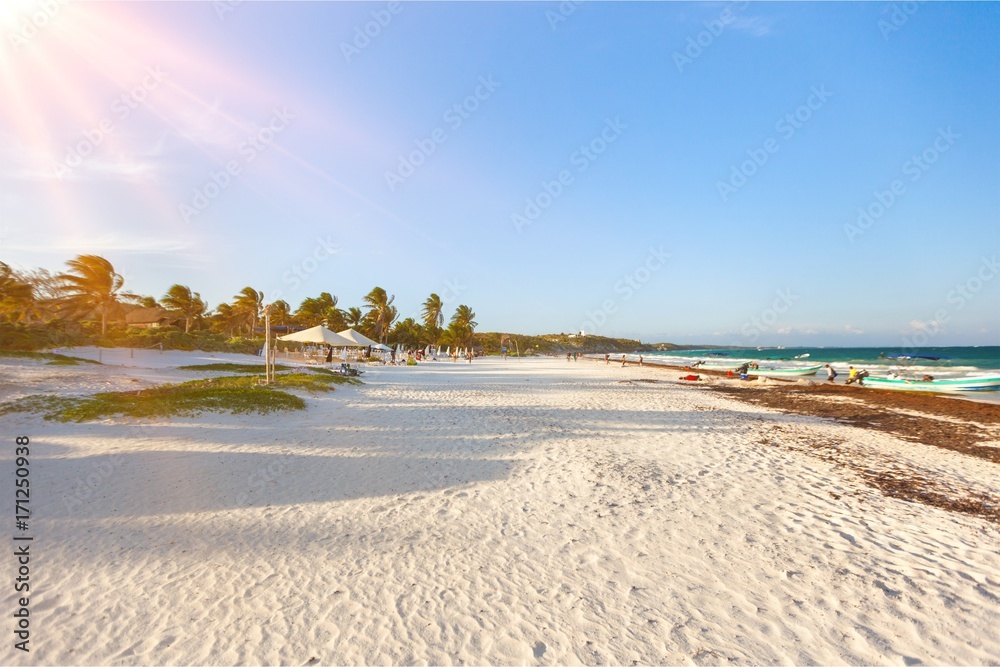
column 623, row 361
column 852, row 377
column 640, row 361
column 830, row 373
column 607, row 359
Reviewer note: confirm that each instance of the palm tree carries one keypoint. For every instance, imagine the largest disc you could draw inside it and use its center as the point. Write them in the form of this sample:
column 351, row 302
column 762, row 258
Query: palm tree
column 381, row 313
column 433, row 315
column 354, row 317
column 91, row 284
column 247, row 306
column 319, row 310
column 186, row 303
column 281, row 313
column 225, row 319
column 407, row 333
column 17, row 298
column 463, row 324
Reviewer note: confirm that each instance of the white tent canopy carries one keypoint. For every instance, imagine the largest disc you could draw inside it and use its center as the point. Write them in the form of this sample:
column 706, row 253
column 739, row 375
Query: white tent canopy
column 359, row 340
column 380, row 346
column 319, row 334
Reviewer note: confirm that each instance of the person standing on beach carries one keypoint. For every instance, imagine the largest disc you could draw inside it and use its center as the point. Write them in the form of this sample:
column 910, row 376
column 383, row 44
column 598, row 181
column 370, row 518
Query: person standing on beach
column 623, row 361
column 607, row 359
column 830, row 373
column 640, row 360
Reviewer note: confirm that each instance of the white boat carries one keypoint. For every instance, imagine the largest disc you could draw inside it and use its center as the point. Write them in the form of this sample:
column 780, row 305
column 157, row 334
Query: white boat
column 715, row 365
column 775, row 372
column 946, row 385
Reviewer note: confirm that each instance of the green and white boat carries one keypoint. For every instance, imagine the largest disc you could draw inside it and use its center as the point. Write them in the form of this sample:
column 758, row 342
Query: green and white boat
column 945, row 385
column 987, row 382
column 762, row 370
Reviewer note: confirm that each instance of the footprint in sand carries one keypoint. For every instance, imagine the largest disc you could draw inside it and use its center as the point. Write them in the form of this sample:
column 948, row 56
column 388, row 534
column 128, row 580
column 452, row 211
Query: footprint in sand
column 539, row 649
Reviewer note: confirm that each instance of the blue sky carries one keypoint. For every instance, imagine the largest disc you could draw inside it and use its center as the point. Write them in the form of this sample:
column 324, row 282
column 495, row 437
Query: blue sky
column 713, row 159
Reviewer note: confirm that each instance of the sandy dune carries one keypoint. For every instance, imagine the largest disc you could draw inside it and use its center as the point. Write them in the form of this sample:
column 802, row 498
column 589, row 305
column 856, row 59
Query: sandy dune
column 519, row 512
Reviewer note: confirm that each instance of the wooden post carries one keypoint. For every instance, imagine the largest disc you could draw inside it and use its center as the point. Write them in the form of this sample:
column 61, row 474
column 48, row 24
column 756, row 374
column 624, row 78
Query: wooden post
column 268, row 368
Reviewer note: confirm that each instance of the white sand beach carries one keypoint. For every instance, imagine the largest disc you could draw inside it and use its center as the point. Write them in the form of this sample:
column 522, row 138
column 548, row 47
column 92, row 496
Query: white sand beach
column 521, row 512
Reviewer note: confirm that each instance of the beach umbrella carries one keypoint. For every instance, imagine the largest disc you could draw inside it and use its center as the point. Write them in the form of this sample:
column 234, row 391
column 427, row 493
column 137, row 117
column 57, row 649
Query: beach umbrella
column 360, row 340
column 318, row 334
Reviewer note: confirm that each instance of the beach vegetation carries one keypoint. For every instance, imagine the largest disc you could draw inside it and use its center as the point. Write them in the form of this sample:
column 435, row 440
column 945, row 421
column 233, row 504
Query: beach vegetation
column 237, row 394
column 54, row 358
column 232, row 368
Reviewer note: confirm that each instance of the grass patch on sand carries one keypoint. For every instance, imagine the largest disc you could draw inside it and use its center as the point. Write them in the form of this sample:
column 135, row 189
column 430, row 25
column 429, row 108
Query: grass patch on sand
column 237, row 394
column 232, row 368
column 54, row 359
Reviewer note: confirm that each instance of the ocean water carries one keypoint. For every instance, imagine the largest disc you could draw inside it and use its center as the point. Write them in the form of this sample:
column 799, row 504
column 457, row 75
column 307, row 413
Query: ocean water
column 954, row 362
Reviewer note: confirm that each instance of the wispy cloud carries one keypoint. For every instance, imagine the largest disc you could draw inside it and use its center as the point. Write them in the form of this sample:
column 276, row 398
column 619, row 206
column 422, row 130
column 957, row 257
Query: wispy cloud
column 758, row 26
column 913, row 326
column 23, row 162
column 105, row 243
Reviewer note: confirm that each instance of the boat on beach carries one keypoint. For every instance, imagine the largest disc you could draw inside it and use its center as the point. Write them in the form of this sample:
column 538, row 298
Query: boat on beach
column 788, row 371
column 715, row 366
column 760, row 369
column 945, row 385
column 926, row 382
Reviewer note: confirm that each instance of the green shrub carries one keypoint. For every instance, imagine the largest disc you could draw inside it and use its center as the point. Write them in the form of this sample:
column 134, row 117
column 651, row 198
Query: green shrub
column 237, row 394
